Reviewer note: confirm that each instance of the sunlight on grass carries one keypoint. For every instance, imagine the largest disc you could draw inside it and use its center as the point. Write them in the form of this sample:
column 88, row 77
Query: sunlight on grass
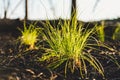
column 68, row 43
column 29, row 35
column 101, row 32
column 116, row 34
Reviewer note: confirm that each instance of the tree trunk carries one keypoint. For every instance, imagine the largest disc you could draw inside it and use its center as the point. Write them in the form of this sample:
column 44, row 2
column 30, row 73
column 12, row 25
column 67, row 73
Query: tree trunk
column 26, row 9
column 5, row 14
column 73, row 8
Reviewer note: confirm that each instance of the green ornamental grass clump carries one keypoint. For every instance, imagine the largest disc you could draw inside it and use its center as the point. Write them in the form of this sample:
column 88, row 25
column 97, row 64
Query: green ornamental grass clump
column 68, row 43
column 30, row 35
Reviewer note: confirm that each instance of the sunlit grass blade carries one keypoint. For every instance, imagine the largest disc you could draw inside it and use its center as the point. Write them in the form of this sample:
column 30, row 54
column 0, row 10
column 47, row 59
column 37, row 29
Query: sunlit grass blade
column 116, row 34
column 101, row 32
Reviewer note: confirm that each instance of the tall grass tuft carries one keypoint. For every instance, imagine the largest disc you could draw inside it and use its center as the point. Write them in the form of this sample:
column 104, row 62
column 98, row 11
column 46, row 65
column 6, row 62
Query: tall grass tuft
column 68, row 43
column 30, row 35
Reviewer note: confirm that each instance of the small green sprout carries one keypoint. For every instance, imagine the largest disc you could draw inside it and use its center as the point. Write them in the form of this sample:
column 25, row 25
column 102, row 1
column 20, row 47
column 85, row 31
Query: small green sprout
column 116, row 34
column 101, row 32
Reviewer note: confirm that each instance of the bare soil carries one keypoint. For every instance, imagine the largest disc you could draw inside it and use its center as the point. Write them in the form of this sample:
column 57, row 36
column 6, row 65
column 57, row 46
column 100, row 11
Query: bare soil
column 17, row 64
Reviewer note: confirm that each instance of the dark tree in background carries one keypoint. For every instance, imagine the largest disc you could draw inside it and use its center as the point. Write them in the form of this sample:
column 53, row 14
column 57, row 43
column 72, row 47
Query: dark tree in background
column 6, row 6
column 26, row 9
column 73, row 8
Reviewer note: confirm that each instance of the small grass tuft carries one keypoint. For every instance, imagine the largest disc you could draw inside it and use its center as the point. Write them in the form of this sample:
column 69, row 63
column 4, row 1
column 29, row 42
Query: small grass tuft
column 30, row 35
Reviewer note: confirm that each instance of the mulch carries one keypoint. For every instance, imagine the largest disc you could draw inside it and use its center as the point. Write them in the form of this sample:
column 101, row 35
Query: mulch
column 17, row 64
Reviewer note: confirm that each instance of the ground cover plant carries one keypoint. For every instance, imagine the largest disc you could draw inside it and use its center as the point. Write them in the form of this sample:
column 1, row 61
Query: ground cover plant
column 68, row 47
column 30, row 35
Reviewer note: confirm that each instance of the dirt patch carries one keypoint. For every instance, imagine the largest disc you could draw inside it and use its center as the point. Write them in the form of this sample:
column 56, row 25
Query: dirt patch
column 17, row 64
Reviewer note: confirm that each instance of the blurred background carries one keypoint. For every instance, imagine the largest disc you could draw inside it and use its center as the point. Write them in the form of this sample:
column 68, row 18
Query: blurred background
column 87, row 10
